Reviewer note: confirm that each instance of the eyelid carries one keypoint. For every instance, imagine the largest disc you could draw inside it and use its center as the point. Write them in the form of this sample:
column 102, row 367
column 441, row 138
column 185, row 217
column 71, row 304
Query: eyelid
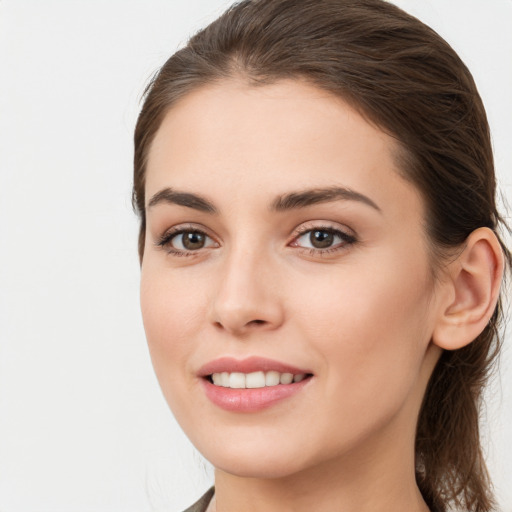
column 320, row 225
column 348, row 236
column 164, row 240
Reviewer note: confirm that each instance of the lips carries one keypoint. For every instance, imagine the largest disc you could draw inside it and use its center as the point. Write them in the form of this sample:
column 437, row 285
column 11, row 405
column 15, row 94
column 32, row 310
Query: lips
column 249, row 365
column 251, row 384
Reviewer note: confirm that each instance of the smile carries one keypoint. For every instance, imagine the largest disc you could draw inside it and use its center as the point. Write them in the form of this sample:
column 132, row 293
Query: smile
column 258, row 379
column 251, row 384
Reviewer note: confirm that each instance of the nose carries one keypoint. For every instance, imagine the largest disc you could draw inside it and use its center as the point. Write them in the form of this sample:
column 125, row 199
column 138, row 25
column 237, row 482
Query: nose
column 247, row 297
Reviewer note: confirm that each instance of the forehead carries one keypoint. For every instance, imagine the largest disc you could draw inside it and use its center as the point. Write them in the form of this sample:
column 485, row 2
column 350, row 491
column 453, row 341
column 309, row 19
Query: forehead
column 271, row 138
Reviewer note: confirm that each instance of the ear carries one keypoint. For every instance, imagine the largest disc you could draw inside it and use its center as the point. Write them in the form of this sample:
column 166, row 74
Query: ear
column 470, row 292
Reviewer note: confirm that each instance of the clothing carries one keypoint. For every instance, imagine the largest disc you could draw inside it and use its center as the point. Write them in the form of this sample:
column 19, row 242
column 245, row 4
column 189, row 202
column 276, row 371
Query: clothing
column 202, row 504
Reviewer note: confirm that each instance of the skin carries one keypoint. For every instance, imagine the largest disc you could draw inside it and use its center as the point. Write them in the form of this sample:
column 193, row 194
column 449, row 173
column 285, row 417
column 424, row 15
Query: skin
column 360, row 317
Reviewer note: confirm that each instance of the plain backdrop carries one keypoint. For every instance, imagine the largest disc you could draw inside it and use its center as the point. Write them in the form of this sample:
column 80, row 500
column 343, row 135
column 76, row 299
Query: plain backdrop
column 83, row 426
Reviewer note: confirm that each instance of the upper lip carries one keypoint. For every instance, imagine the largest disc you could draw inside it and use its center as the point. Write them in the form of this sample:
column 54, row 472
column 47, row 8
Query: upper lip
column 248, row 365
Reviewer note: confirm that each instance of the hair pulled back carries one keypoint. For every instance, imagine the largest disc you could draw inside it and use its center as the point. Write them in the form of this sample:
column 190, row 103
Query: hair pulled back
column 403, row 77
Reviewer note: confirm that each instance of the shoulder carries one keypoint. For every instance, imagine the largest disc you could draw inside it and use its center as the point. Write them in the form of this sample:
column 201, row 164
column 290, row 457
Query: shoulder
column 202, row 503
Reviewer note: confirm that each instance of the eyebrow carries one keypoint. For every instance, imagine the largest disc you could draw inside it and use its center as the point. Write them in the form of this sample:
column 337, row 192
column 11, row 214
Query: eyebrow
column 285, row 202
column 170, row 196
column 305, row 198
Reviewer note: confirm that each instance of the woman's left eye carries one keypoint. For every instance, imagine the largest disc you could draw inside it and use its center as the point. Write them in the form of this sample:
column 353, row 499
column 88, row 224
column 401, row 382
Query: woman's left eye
column 323, row 239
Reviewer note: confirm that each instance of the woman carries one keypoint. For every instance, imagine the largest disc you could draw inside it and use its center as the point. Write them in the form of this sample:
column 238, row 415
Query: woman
column 321, row 264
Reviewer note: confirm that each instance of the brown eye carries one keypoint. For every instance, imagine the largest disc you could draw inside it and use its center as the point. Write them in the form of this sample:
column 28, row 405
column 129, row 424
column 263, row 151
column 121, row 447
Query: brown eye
column 321, row 239
column 186, row 241
column 192, row 240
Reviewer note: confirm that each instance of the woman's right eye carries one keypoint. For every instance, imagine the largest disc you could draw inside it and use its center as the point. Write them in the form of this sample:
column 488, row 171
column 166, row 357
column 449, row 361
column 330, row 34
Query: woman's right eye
column 186, row 241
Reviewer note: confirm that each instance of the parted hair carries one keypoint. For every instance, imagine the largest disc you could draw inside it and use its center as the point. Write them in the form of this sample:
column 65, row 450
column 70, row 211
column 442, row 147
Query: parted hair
column 403, row 77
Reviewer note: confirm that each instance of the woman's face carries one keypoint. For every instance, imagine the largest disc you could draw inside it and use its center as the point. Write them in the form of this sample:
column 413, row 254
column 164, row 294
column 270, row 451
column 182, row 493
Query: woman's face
column 282, row 240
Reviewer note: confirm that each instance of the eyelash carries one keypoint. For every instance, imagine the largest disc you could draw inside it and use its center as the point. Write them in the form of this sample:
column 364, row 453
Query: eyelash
column 347, row 239
column 165, row 240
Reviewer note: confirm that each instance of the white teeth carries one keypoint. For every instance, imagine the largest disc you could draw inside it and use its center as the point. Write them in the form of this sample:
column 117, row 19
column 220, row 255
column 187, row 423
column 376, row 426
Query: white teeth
column 237, row 380
column 255, row 380
column 272, row 378
column 260, row 379
column 286, row 378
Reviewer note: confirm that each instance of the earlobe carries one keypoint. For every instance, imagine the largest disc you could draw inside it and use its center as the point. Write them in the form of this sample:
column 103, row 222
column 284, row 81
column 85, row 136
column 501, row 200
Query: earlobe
column 473, row 285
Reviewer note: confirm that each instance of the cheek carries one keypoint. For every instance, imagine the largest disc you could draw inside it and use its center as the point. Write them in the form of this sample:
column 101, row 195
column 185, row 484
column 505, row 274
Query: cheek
column 172, row 311
column 371, row 327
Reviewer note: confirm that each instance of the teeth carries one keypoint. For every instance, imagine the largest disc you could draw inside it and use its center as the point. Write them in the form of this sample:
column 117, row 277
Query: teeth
column 255, row 380
column 238, row 380
column 286, row 378
column 272, row 378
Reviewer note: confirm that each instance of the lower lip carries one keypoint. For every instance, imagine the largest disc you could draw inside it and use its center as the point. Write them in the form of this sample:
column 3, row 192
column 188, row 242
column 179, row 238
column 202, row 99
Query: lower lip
column 251, row 400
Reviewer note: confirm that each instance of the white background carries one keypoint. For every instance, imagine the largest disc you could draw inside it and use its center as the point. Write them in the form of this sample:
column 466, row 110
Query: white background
column 83, row 426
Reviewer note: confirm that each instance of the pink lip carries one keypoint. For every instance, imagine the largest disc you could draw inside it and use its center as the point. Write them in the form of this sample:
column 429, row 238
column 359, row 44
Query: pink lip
column 249, row 400
column 248, row 365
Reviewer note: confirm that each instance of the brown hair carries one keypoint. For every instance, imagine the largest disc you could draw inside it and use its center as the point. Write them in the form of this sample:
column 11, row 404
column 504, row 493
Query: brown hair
column 406, row 79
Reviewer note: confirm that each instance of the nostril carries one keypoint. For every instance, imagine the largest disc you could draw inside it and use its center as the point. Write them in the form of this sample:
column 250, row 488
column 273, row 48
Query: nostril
column 240, row 325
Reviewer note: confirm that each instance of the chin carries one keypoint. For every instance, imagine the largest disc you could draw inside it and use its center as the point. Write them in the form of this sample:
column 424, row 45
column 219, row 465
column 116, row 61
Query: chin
column 256, row 467
column 253, row 461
